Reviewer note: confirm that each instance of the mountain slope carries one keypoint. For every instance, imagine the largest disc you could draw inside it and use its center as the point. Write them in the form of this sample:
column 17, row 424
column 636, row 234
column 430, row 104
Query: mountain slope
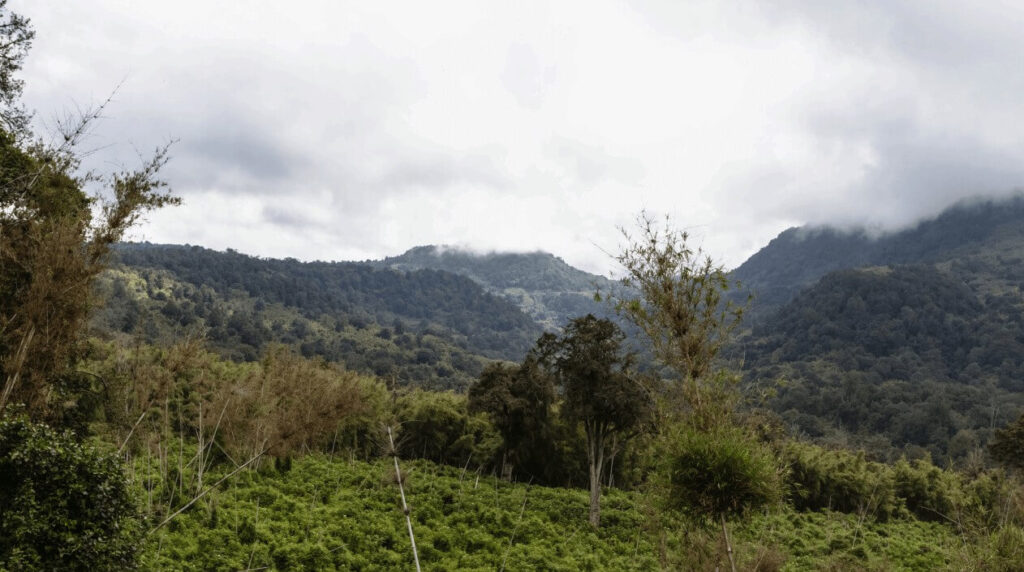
column 798, row 257
column 544, row 286
column 425, row 327
column 918, row 338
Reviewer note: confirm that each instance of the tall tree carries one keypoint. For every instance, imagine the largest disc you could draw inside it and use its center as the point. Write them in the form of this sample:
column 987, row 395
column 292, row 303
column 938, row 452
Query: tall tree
column 51, row 245
column 599, row 390
column 518, row 400
column 674, row 294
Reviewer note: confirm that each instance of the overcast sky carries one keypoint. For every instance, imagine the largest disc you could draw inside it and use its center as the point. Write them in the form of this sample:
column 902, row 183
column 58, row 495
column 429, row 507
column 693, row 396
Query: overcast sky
column 345, row 131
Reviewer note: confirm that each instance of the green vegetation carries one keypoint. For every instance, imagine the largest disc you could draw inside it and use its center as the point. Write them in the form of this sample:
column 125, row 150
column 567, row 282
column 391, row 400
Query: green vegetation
column 248, row 401
column 66, row 506
column 427, row 328
column 337, row 514
column 599, row 392
column 916, row 333
column 546, row 288
column 919, row 363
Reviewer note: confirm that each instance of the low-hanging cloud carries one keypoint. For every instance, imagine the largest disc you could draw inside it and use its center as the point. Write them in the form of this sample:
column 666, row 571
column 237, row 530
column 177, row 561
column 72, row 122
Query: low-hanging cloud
column 326, row 130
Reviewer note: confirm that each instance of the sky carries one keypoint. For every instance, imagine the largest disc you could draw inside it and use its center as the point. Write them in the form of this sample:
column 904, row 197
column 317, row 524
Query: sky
column 332, row 130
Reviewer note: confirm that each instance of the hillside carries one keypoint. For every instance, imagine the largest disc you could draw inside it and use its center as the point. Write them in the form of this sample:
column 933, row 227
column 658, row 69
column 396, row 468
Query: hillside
column 424, row 327
column 990, row 231
column 915, row 337
column 541, row 284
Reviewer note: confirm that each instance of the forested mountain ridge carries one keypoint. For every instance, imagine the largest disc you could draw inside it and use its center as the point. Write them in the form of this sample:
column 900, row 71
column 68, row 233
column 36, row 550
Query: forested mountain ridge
column 543, row 285
column 907, row 342
column 917, row 337
column 424, row 327
column 989, row 230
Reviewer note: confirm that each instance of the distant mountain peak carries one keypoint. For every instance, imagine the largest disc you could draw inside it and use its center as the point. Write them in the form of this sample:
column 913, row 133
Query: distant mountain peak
column 542, row 284
column 799, row 256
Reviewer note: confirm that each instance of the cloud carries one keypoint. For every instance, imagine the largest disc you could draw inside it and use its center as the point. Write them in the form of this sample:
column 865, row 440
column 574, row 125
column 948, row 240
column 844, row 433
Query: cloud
column 339, row 130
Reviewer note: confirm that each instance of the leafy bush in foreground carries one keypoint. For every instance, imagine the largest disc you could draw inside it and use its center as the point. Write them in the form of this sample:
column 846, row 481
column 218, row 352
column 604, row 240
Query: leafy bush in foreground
column 63, row 505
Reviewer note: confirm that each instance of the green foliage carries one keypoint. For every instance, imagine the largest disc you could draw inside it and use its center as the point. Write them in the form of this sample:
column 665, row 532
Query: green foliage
column 719, row 472
column 926, row 490
column 917, row 333
column 845, row 481
column 339, row 515
column 52, row 244
column 438, row 426
column 355, row 294
column 336, row 515
column 544, row 286
column 839, row 480
column 63, row 505
column 966, row 233
column 518, row 400
column 599, row 391
column 826, row 540
column 1007, row 446
column 285, row 404
column 160, row 308
column 678, row 303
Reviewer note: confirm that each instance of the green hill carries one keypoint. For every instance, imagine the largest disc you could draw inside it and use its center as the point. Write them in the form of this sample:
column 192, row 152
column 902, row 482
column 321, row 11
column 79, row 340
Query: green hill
column 990, row 231
column 543, row 285
column 422, row 327
column 917, row 337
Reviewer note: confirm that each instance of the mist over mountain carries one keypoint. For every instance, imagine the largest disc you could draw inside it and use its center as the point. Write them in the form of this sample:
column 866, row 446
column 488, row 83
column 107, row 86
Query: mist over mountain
column 905, row 342
column 917, row 336
column 798, row 257
column 543, row 285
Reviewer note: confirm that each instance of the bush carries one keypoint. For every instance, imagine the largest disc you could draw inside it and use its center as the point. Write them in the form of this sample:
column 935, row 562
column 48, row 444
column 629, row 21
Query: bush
column 839, row 480
column 438, row 426
column 721, row 471
column 928, row 491
column 64, row 505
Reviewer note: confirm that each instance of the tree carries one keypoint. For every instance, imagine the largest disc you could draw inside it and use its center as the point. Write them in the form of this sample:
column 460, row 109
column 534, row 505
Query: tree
column 16, row 37
column 1007, row 446
column 674, row 295
column 51, row 246
column 65, row 506
column 518, row 400
column 599, row 391
column 438, row 426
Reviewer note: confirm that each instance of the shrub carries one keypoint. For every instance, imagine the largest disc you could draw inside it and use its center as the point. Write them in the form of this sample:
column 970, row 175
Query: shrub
column 721, row 471
column 439, row 427
column 928, row 491
column 839, row 480
column 63, row 505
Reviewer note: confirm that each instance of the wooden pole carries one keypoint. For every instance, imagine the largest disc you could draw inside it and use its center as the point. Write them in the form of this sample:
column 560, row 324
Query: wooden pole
column 405, row 507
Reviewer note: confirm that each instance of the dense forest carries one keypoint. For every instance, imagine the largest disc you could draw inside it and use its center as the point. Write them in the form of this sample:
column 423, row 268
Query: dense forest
column 914, row 348
column 425, row 328
column 544, row 286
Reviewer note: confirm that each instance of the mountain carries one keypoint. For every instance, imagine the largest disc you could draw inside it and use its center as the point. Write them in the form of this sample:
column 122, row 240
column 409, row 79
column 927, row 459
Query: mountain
column 986, row 231
column 910, row 342
column 542, row 285
column 424, row 327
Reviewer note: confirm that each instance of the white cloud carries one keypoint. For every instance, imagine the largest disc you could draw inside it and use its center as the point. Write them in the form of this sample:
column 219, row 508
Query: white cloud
column 333, row 130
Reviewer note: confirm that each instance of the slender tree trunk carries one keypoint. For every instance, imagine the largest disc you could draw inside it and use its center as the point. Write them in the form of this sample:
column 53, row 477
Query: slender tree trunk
column 595, row 454
column 728, row 545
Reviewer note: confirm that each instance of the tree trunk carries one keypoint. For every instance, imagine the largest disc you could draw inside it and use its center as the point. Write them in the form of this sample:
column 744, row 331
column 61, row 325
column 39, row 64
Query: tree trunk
column 595, row 455
column 728, row 545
